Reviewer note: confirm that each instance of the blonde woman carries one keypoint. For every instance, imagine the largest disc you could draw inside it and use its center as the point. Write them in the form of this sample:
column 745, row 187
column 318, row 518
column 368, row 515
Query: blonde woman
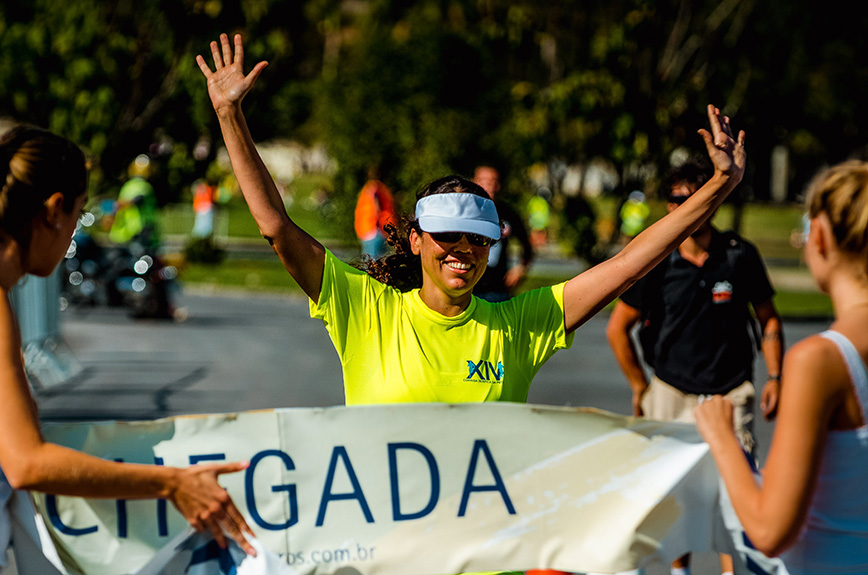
column 812, row 506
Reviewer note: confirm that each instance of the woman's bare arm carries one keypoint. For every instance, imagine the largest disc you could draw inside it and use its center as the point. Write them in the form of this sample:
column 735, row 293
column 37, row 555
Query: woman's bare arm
column 29, row 462
column 301, row 254
column 590, row 291
column 815, row 385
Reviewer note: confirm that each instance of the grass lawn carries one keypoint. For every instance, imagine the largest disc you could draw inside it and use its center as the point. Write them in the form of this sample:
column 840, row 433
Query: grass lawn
column 234, row 220
column 804, row 305
column 261, row 275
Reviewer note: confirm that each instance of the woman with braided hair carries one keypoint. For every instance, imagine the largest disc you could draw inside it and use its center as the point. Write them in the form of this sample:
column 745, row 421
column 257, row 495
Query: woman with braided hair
column 43, row 184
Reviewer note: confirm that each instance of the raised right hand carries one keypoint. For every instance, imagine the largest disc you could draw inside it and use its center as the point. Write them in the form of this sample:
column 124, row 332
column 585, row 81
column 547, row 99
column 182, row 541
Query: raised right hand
column 227, row 84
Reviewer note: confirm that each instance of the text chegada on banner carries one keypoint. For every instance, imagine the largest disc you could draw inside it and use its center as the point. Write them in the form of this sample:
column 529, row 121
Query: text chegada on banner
column 409, row 489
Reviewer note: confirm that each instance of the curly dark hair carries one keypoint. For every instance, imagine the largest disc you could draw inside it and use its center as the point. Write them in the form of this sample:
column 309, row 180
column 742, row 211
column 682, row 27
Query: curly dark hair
column 402, row 270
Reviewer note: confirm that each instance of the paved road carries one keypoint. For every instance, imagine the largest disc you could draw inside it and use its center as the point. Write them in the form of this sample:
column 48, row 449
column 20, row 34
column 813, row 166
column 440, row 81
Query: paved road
column 242, row 352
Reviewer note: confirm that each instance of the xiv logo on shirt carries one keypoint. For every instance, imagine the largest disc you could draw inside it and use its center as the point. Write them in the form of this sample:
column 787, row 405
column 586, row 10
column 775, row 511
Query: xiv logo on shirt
column 484, row 371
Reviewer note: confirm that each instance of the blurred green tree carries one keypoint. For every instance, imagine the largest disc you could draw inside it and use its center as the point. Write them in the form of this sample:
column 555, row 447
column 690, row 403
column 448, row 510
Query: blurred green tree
column 120, row 77
column 433, row 86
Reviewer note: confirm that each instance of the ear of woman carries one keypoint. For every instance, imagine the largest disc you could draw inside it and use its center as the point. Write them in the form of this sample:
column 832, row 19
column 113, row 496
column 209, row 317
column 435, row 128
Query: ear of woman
column 54, row 211
column 51, row 233
column 823, row 234
column 415, row 242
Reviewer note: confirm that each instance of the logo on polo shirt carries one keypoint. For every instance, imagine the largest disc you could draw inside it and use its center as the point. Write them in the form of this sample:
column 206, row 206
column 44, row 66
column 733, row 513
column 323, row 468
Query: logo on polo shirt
column 485, row 371
column 721, row 292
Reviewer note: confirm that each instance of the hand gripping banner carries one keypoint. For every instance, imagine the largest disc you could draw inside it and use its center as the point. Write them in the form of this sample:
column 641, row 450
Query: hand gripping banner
column 413, row 489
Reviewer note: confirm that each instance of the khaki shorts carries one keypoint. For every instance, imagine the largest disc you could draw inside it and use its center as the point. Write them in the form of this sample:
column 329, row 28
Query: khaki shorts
column 665, row 403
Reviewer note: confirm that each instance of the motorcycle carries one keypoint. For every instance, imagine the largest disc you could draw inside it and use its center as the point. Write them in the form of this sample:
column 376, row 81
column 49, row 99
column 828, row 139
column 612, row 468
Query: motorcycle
column 145, row 283
column 131, row 275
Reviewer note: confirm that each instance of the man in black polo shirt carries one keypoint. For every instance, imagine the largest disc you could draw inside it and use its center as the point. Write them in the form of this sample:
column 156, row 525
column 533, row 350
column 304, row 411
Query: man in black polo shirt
column 696, row 326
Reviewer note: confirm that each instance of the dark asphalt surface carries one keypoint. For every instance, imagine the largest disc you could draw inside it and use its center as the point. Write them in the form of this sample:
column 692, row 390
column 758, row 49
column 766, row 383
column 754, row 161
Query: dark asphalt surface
column 239, row 352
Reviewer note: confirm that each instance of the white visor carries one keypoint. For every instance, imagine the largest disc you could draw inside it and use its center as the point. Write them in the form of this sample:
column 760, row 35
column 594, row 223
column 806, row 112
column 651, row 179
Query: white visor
column 452, row 212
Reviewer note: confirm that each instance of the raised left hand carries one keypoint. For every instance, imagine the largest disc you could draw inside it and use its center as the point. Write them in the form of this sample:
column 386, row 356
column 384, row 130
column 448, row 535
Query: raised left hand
column 725, row 151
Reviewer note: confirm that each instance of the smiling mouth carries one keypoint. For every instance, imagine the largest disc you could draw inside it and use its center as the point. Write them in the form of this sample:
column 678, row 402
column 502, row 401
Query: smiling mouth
column 459, row 266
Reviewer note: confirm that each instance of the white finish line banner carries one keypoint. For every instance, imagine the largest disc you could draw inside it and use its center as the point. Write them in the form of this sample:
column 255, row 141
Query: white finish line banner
column 410, row 489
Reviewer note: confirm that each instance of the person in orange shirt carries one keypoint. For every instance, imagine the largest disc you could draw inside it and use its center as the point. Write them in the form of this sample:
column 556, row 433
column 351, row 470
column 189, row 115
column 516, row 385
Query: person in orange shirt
column 374, row 209
column 203, row 208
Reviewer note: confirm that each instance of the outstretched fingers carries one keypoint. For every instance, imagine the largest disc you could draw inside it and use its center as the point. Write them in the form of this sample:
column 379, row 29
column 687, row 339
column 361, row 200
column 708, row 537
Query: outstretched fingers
column 213, row 525
column 222, row 54
column 221, row 59
column 250, row 78
column 239, row 50
column 721, row 130
column 713, row 121
column 216, row 56
column 726, row 127
column 227, row 83
column 229, row 517
column 231, row 523
column 725, row 149
column 707, row 137
column 208, row 506
column 227, row 50
column 221, row 518
column 203, row 66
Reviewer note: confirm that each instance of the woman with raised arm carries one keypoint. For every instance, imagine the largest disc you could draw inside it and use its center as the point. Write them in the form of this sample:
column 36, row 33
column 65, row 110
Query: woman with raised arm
column 415, row 332
column 43, row 183
column 812, row 506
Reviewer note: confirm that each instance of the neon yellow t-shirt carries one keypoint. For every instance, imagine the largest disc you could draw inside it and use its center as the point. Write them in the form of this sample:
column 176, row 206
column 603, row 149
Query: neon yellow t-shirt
column 395, row 349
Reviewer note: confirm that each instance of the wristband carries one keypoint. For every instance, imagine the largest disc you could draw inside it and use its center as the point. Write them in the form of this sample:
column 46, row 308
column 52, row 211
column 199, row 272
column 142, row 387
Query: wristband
column 775, row 377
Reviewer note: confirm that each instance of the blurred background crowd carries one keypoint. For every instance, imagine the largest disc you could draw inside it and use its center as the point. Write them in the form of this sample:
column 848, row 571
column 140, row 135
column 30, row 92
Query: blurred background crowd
column 579, row 106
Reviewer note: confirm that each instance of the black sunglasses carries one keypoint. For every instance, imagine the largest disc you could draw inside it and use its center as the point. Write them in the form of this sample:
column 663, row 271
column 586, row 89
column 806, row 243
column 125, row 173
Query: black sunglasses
column 455, row 237
column 677, row 199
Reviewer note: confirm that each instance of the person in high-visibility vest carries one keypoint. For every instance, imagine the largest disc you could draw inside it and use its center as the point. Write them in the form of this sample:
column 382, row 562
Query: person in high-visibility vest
column 634, row 215
column 136, row 215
